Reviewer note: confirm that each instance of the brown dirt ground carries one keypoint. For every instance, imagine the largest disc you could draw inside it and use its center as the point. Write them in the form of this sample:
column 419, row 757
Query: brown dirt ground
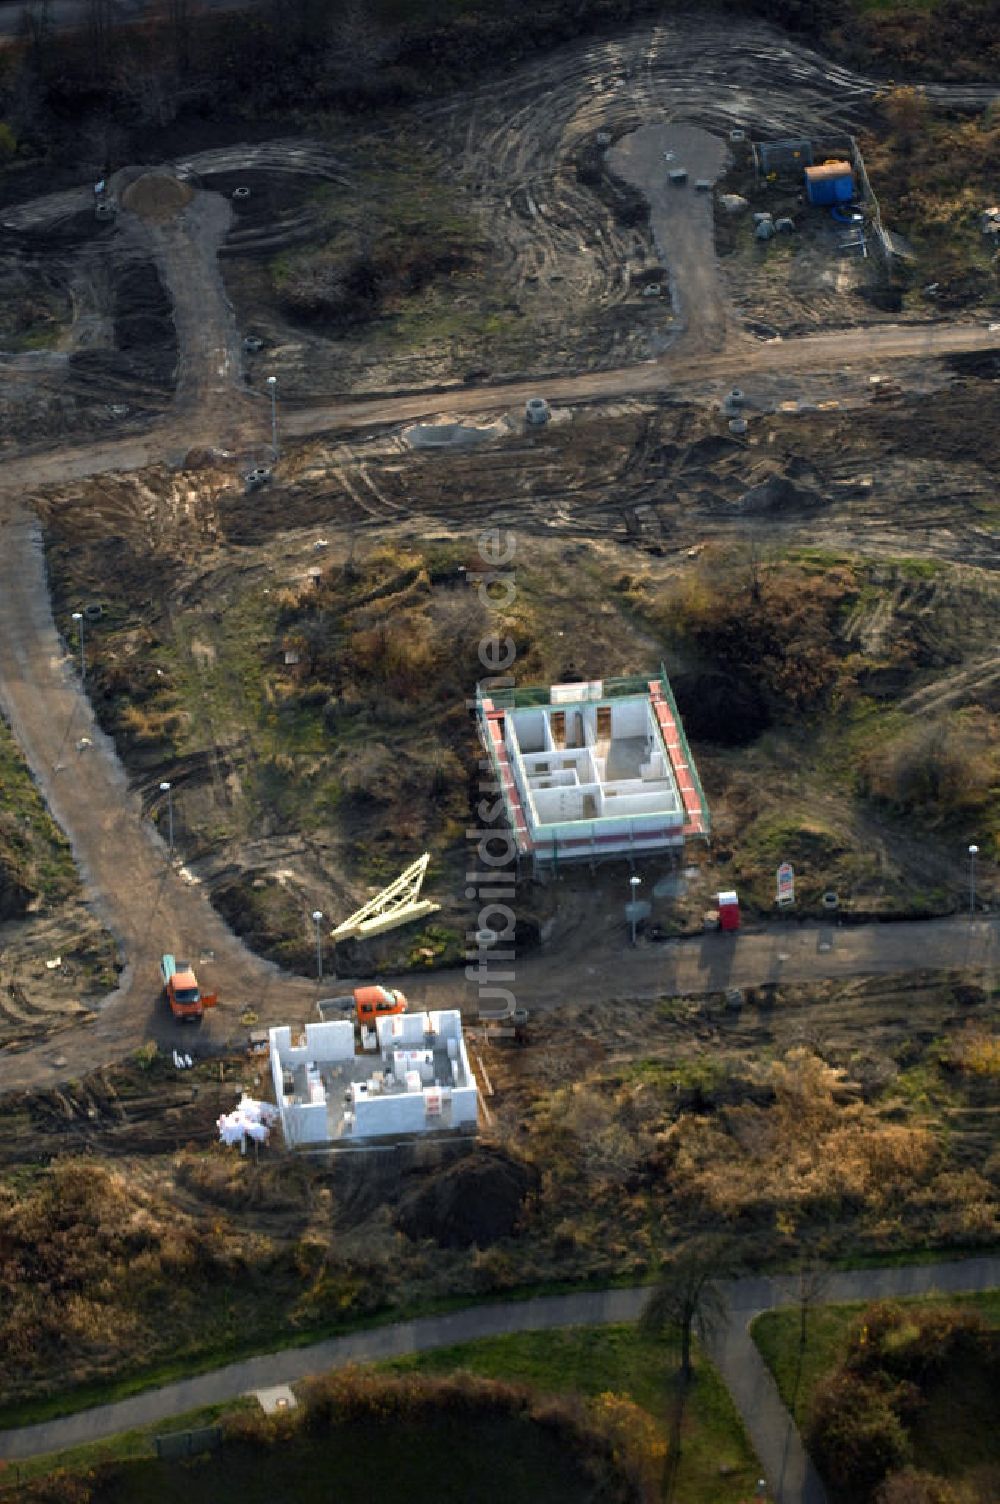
column 157, row 198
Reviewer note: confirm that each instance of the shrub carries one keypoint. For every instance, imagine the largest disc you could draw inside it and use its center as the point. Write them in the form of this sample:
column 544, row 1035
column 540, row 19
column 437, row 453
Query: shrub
column 856, row 1435
column 938, row 769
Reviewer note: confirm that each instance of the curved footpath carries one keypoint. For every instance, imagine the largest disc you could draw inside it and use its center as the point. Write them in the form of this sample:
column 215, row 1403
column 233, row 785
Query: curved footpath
column 790, row 1474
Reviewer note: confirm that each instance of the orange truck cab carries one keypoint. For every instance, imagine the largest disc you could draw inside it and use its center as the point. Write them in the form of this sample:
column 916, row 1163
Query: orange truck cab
column 369, row 1004
column 374, row 1003
column 180, row 984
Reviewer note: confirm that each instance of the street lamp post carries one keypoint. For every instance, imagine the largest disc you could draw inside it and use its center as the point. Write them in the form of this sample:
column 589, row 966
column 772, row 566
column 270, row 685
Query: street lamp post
column 973, row 853
column 317, row 921
column 166, row 788
column 78, row 618
column 272, row 386
column 634, row 884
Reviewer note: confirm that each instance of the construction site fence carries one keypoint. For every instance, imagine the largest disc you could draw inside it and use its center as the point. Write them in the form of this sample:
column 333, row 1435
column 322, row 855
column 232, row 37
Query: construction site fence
column 540, row 694
column 178, row 1444
column 793, row 156
column 875, row 227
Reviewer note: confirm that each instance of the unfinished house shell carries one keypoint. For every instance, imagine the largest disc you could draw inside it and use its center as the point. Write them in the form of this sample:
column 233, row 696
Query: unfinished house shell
column 596, row 769
column 420, row 1080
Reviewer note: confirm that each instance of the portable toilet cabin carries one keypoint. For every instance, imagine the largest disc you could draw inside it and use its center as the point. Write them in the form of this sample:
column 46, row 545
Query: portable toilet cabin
column 829, row 183
column 729, row 911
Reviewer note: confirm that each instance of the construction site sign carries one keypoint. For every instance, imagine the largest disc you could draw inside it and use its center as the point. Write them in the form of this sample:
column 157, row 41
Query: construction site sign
column 786, row 885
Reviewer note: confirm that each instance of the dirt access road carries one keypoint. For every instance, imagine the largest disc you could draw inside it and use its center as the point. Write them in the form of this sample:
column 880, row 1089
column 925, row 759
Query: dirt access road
column 144, row 901
column 679, row 371
column 140, row 896
column 681, row 220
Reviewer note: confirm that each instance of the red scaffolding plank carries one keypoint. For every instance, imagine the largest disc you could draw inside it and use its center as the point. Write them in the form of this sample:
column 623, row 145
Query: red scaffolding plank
column 694, row 825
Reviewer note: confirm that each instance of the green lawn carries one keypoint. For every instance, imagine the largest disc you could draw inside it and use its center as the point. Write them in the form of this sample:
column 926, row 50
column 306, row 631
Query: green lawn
column 797, row 1372
column 127, row 1446
column 32, row 847
column 715, row 1464
column 368, row 1464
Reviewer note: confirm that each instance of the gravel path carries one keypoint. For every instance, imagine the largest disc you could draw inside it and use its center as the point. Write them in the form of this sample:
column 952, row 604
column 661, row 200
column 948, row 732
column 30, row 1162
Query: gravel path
column 790, row 1475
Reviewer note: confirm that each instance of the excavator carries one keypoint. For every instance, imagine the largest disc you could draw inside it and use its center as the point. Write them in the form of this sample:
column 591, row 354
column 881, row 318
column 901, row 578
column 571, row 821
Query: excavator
column 186, row 999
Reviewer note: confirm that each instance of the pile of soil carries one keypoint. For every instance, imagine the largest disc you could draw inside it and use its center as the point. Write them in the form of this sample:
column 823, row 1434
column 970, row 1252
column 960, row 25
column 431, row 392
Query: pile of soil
column 778, row 494
column 477, row 1201
column 157, row 198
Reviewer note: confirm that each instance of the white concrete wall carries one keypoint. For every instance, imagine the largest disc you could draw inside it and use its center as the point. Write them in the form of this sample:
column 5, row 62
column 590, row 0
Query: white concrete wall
column 328, row 1042
column 630, row 718
column 532, row 729
column 447, row 1023
column 519, row 772
column 400, row 1031
column 306, row 1124
column 630, row 804
column 292, row 1055
column 277, row 1080
column 404, row 1113
column 464, row 1107
column 562, row 804
column 569, row 694
column 622, row 830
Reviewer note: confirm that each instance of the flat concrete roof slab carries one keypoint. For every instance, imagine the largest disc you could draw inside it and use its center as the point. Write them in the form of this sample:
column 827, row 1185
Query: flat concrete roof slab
column 273, row 1401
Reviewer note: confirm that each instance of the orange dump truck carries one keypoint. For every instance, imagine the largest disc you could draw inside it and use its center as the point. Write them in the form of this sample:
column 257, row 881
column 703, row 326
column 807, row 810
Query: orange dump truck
column 369, row 1004
column 180, row 985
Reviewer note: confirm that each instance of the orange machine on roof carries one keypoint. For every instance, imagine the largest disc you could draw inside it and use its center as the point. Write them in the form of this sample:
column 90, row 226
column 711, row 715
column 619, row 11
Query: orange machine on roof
column 180, row 984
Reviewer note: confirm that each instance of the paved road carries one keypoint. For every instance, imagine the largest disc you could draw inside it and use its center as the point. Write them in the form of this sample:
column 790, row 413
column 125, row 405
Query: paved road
column 790, row 1474
column 784, row 951
column 786, row 1465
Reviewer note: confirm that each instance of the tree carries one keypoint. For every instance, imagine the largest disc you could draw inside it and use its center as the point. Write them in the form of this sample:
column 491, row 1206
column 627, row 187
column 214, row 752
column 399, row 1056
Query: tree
column 356, row 47
column 686, row 1299
column 813, row 1279
column 913, row 1487
column 179, row 21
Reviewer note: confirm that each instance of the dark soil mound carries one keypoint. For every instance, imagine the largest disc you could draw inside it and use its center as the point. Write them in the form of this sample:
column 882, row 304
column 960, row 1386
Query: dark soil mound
column 721, row 708
column 983, row 365
column 477, row 1200
column 708, row 451
column 778, row 494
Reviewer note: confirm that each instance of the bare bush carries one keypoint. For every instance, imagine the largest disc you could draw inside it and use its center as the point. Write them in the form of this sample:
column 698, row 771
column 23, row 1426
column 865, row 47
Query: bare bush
column 938, row 769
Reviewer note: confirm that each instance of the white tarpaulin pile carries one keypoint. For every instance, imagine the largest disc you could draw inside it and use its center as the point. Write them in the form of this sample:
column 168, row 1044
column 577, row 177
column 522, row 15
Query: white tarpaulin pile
column 249, row 1119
